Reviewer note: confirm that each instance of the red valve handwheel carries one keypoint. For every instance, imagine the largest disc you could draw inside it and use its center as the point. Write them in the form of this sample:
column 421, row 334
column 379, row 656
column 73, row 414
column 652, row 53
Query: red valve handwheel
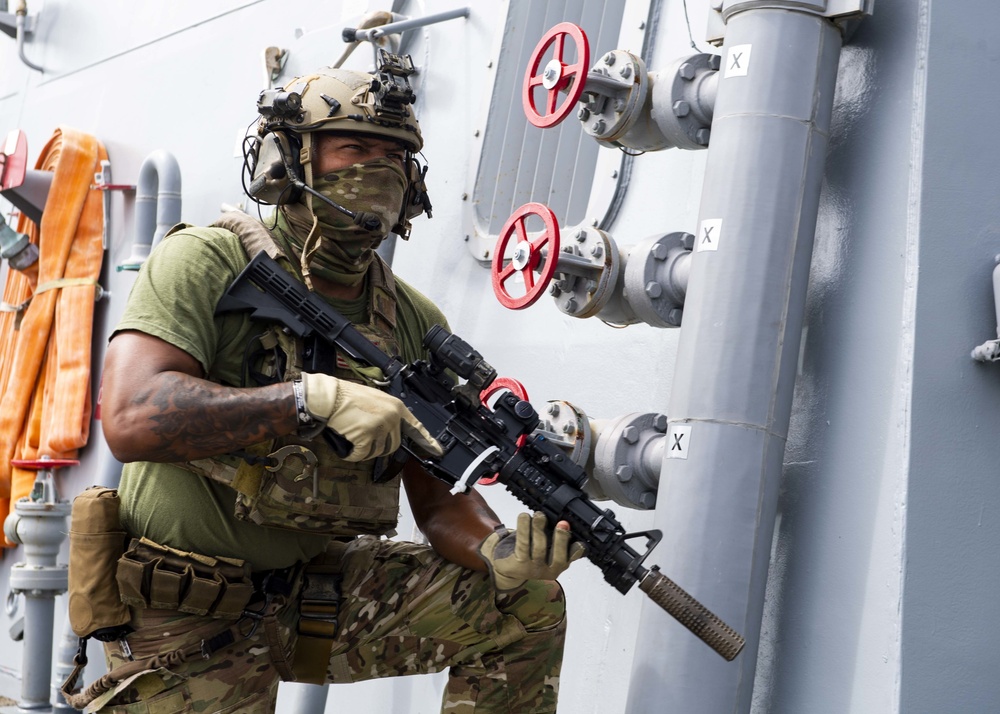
column 515, row 387
column 527, row 256
column 13, row 160
column 518, row 390
column 42, row 464
column 556, row 76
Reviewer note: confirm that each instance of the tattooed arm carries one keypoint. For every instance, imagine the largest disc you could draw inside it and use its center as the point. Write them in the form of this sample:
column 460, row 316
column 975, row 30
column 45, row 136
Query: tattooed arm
column 455, row 525
column 156, row 405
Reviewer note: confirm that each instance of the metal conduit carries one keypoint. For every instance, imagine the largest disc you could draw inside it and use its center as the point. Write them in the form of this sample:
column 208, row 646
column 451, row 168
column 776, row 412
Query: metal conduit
column 735, row 371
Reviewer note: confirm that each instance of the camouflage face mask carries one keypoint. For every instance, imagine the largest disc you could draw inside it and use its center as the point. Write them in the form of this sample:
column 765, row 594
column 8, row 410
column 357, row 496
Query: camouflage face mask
column 339, row 249
column 347, row 249
column 374, row 187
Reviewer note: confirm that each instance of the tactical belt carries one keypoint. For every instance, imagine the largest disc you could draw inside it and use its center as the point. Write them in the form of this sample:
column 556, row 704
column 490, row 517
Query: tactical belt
column 258, row 607
column 205, row 648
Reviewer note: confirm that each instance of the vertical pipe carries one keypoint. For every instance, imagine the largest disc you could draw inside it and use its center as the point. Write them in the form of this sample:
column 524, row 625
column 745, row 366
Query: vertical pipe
column 38, row 522
column 63, row 666
column 735, row 371
column 996, row 292
column 39, row 609
column 304, row 698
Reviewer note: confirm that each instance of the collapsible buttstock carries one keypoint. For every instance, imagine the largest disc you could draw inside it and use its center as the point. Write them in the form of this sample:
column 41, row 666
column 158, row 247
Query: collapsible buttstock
column 692, row 614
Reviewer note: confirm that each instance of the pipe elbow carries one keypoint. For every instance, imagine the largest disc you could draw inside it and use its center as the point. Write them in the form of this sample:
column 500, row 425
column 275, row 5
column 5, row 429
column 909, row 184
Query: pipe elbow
column 21, row 32
column 157, row 203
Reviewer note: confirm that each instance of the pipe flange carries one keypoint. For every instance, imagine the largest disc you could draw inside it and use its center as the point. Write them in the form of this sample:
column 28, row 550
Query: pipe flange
column 617, row 312
column 586, row 272
column 684, row 100
column 569, row 428
column 834, row 10
column 43, row 509
column 31, row 579
column 615, row 92
column 656, row 277
column 628, row 457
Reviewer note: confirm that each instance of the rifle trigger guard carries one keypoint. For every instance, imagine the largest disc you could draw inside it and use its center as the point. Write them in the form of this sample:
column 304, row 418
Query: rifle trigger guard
column 471, row 473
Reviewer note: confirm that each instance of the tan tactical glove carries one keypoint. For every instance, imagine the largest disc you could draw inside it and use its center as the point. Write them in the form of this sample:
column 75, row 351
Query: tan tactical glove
column 514, row 558
column 373, row 421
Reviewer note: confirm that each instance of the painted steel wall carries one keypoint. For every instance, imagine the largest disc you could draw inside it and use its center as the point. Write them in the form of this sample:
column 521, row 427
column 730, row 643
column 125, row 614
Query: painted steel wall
column 881, row 596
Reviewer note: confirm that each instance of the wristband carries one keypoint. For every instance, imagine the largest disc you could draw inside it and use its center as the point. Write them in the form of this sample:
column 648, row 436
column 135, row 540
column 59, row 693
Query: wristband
column 306, row 420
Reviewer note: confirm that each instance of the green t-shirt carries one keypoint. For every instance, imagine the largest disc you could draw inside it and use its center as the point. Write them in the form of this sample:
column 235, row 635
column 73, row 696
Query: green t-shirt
column 174, row 299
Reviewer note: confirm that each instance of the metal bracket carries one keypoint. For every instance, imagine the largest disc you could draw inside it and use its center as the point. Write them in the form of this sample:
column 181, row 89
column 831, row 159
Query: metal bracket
column 8, row 24
column 274, row 61
column 102, row 182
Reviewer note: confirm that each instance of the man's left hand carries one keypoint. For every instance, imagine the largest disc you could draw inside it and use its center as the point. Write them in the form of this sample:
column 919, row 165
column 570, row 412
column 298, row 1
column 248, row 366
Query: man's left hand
column 527, row 554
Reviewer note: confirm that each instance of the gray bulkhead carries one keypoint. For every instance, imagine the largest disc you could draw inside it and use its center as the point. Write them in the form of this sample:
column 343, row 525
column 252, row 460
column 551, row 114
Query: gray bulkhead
column 881, row 588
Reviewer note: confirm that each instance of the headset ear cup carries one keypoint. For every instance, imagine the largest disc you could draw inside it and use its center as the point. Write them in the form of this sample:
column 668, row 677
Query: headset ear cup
column 406, row 210
column 415, row 199
column 275, row 164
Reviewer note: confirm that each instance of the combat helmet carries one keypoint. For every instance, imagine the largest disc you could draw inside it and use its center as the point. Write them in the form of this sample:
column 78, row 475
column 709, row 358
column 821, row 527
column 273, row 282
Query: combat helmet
column 278, row 158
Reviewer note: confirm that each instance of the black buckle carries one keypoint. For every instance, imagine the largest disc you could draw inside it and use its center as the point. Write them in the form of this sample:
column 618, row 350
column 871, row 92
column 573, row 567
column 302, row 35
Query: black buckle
column 320, row 600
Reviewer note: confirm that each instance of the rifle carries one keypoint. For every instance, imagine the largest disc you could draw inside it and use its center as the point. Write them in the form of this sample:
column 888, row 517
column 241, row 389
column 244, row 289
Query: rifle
column 479, row 441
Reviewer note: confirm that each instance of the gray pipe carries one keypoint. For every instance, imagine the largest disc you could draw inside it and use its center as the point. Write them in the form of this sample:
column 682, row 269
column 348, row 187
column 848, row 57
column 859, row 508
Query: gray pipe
column 23, row 28
column 38, row 523
column 352, row 35
column 304, row 698
column 63, row 667
column 735, row 371
column 38, row 613
column 157, row 205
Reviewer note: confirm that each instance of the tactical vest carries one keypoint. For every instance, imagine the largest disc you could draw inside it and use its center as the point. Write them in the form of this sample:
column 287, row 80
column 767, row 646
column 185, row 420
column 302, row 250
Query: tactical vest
column 303, row 485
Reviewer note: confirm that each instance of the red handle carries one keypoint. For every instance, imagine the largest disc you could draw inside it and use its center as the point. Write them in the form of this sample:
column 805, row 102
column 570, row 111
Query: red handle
column 527, row 257
column 13, row 160
column 557, row 76
column 515, row 387
column 518, row 390
column 41, row 464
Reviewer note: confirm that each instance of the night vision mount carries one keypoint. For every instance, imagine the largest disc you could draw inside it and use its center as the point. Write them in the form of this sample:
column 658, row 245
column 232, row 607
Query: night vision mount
column 391, row 88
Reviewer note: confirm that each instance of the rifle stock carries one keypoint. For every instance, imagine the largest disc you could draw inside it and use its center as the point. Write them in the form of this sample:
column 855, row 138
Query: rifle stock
column 480, row 442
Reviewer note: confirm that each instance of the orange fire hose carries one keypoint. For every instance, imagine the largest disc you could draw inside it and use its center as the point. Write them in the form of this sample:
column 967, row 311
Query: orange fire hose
column 47, row 319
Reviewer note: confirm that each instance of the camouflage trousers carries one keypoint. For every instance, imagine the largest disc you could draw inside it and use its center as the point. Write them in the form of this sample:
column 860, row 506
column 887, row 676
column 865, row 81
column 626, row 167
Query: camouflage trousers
column 404, row 610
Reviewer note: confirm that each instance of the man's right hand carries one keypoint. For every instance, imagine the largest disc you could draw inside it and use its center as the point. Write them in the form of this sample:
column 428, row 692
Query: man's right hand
column 370, row 419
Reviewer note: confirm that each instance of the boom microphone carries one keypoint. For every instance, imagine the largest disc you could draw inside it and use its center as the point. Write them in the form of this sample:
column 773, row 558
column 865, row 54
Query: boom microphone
column 368, row 221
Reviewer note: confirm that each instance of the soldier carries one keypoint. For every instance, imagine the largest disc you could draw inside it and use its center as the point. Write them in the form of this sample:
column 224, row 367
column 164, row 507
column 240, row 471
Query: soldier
column 257, row 553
